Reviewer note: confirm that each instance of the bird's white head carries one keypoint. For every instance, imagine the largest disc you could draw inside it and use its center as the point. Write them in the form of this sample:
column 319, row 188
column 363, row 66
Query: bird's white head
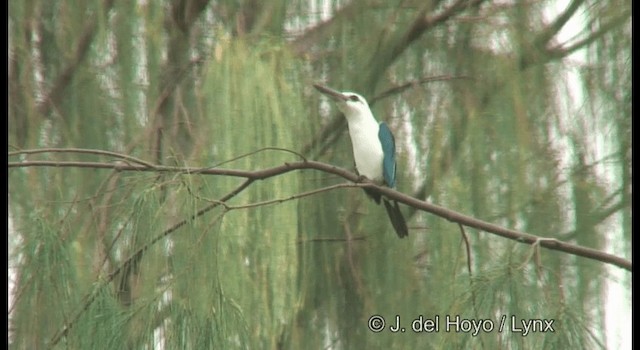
column 351, row 104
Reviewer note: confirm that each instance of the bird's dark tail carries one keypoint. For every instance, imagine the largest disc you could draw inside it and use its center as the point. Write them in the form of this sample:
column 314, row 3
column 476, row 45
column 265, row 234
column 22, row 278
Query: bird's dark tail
column 397, row 220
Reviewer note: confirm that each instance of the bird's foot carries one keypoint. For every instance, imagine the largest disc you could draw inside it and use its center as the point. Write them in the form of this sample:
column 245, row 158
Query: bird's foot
column 363, row 179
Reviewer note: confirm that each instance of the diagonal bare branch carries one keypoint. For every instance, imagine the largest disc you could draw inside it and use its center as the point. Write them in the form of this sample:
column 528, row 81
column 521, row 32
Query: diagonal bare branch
column 542, row 40
column 560, row 51
column 135, row 258
column 450, row 215
column 55, row 94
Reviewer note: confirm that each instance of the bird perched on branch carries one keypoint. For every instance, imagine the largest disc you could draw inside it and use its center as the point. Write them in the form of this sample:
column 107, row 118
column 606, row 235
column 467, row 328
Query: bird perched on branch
column 374, row 149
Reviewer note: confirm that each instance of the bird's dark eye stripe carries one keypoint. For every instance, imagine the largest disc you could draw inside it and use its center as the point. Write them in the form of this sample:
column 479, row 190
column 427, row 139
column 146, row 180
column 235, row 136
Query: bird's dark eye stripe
column 354, row 98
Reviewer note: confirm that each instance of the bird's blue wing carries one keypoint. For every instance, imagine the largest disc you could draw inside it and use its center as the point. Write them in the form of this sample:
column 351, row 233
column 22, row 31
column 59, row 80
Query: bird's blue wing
column 389, row 150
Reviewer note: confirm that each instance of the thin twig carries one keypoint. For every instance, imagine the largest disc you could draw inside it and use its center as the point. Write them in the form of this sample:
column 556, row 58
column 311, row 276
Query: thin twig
column 85, row 151
column 135, row 257
column 392, row 194
column 402, row 87
column 534, row 250
column 333, row 239
column 465, row 239
column 258, row 151
column 292, row 197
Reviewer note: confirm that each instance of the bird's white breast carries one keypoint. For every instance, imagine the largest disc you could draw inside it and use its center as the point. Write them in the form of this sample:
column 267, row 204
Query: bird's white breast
column 367, row 149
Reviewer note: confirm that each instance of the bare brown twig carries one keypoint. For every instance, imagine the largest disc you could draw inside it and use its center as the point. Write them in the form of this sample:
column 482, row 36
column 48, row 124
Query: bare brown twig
column 55, row 94
column 135, row 258
column 253, row 175
column 84, row 151
column 453, row 216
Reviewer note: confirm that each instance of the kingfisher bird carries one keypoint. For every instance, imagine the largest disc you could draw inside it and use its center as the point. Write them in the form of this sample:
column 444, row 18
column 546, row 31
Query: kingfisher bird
column 374, row 149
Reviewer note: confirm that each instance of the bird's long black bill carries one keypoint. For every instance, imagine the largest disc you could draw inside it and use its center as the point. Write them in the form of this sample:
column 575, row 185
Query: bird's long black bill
column 397, row 220
column 336, row 95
